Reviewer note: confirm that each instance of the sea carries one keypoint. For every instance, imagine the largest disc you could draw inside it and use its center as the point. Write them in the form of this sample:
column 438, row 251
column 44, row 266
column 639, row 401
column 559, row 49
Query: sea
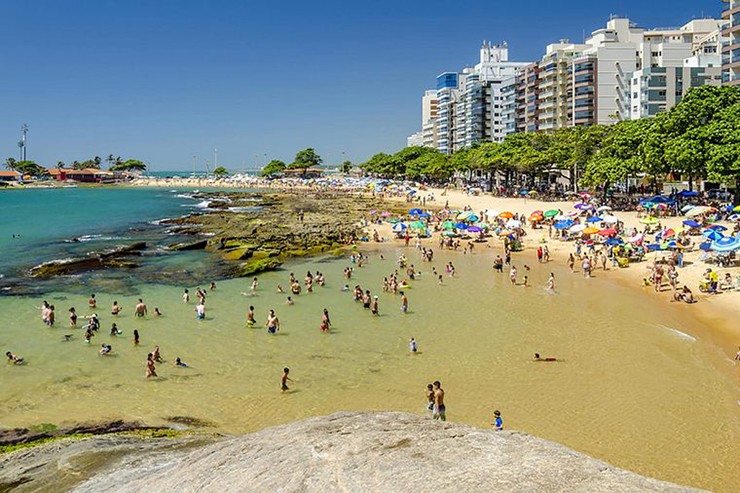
column 635, row 383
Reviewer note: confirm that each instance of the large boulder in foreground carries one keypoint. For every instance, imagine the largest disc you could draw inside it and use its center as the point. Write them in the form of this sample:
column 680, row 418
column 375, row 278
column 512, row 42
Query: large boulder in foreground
column 379, row 452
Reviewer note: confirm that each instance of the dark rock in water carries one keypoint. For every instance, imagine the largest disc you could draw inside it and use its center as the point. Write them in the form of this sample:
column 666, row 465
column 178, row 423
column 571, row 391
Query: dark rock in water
column 95, row 260
column 190, row 245
column 26, row 435
column 190, row 421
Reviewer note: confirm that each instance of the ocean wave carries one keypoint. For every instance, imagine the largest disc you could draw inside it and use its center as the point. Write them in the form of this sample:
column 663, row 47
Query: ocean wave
column 680, row 334
column 184, row 195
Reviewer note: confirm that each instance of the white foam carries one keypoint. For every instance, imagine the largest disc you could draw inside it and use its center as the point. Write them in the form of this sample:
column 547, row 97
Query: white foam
column 680, row 334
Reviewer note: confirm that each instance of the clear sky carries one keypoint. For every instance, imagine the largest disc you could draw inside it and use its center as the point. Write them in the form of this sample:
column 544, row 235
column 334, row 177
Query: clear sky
column 164, row 80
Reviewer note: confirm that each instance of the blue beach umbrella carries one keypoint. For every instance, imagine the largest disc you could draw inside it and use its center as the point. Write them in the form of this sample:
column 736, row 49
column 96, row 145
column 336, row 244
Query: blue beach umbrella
column 594, row 219
column 425, row 214
column 705, row 247
column 473, row 219
column 474, row 229
column 653, row 247
column 726, row 244
column 583, row 207
column 563, row 224
column 717, row 227
column 613, row 241
column 399, row 227
column 415, row 211
column 691, row 223
column 712, row 234
column 461, row 226
column 688, row 193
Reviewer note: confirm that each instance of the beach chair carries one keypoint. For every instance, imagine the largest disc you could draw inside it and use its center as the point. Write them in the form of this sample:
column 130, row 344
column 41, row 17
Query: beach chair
column 623, row 261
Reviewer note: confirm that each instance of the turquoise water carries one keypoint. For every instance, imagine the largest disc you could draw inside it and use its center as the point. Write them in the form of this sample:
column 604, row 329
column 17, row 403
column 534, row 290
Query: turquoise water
column 633, row 386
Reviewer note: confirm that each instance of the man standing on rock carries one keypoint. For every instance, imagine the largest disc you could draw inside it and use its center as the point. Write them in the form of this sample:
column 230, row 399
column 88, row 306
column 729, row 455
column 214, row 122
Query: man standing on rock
column 439, row 402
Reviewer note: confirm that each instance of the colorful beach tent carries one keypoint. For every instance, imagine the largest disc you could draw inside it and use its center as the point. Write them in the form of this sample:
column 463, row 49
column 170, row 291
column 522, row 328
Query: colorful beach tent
column 726, row 244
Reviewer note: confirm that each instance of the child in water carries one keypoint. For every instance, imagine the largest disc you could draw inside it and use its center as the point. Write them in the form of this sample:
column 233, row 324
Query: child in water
column 498, row 423
column 285, row 379
column 412, row 345
column 180, row 363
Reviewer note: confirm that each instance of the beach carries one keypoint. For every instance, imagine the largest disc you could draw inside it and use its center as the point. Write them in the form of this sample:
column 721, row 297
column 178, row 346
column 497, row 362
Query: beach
column 642, row 382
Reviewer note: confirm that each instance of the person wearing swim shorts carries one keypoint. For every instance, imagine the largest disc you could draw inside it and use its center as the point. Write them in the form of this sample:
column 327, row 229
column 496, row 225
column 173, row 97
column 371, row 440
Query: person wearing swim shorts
column 404, row 302
column 273, row 323
column 440, row 412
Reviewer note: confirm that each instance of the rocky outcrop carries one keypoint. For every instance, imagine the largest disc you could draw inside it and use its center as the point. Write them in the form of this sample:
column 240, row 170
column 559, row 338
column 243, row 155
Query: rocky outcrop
column 377, row 452
column 95, row 260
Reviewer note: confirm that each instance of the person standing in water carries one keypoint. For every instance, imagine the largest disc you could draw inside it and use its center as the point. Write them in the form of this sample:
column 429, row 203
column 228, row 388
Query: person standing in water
column 374, row 306
column 440, row 411
column 325, row 321
column 430, row 398
column 412, row 345
column 404, row 302
column 284, row 381
column 272, row 323
column 115, row 309
column 250, row 317
column 150, row 368
column 498, row 422
column 72, row 317
column 92, row 303
column 551, row 282
column 512, row 275
column 141, row 309
column 186, row 296
column 136, row 337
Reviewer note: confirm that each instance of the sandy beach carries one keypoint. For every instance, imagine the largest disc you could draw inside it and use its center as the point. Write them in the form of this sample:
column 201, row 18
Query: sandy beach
column 718, row 310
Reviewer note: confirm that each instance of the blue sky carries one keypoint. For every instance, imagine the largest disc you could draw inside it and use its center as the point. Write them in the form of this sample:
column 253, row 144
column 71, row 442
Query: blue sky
column 165, row 80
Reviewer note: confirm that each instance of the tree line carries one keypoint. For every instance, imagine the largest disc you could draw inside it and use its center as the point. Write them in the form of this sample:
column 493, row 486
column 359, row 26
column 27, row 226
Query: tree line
column 698, row 139
column 115, row 164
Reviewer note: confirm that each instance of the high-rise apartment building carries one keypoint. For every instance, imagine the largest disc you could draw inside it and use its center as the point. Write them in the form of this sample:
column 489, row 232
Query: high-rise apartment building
column 731, row 48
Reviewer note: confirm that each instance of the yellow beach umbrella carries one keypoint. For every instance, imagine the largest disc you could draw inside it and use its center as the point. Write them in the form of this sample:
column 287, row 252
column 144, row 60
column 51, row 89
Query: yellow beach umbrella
column 506, row 215
column 649, row 220
column 590, row 231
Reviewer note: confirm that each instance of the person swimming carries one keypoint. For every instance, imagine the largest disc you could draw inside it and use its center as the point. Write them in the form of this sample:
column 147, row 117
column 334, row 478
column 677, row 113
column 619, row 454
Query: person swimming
column 537, row 357
column 14, row 358
column 180, row 363
column 115, row 331
column 105, row 349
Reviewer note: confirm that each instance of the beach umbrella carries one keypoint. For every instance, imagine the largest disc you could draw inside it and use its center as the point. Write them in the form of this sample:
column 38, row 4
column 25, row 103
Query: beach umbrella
column 523, row 192
column 399, row 227
column 533, row 192
column 394, row 220
column 418, row 225
column 561, row 217
column 506, row 215
column 504, row 233
column 636, row 239
column 572, row 214
column 415, row 211
column 492, row 213
column 613, row 241
column 425, row 215
column 653, row 247
column 648, row 205
column 535, row 218
column 734, row 217
column 687, row 207
column 594, row 219
column 691, row 223
column 583, row 207
column 698, row 210
column 563, row 224
column 536, row 213
column 736, row 208
column 449, row 233
column 610, row 219
column 461, row 226
column 608, row 232
column 551, row 213
column 473, row 219
column 372, row 212
column 688, row 193
column 705, row 247
column 590, row 231
column 604, row 208
column 666, row 233
column 584, row 195
column 717, row 227
column 385, row 214
column 726, row 244
column 577, row 228
column 464, row 215
column 649, row 220
column 513, row 224
column 712, row 234
column 448, row 225
column 475, row 229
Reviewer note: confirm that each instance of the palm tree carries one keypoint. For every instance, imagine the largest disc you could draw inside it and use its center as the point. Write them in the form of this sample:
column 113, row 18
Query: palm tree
column 60, row 164
column 10, row 164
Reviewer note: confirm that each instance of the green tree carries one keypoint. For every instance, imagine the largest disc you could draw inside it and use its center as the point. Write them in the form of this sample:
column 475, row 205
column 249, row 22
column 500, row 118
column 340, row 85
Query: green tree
column 29, row 168
column 346, row 167
column 383, row 165
column 129, row 165
column 305, row 159
column 220, row 171
column 10, row 163
column 274, row 167
column 60, row 164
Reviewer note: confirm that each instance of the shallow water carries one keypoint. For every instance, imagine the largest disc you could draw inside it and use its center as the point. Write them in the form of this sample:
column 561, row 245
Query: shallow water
column 633, row 387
